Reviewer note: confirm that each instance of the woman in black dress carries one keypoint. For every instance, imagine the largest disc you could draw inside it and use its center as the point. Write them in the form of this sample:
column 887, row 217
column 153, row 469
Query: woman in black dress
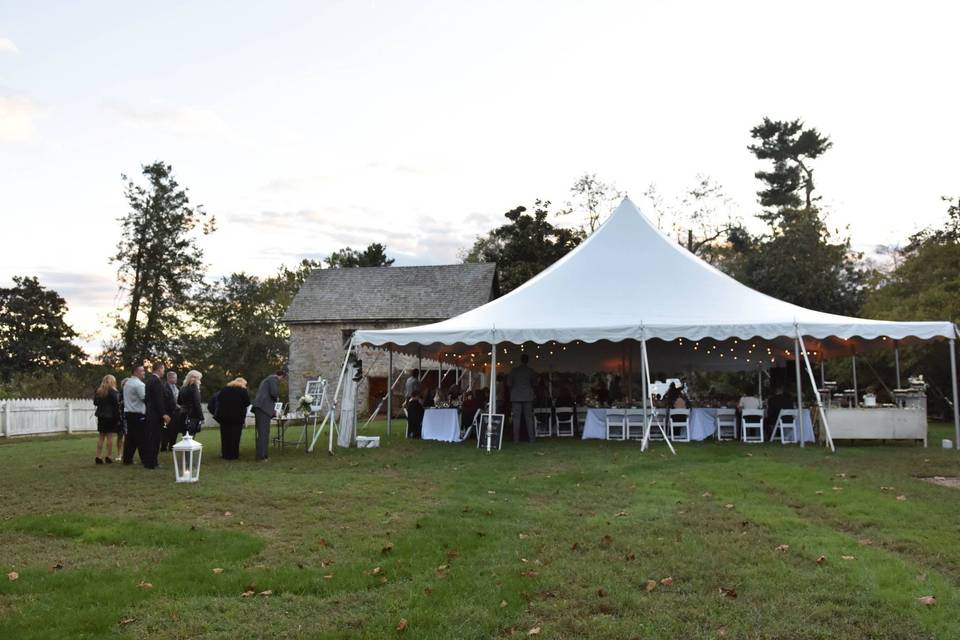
column 191, row 411
column 232, row 403
column 108, row 413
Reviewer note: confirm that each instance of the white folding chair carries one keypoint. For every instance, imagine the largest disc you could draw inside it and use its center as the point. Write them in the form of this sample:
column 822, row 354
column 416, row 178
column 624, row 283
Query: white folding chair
column 542, row 423
column 751, row 425
column 679, row 423
column 565, row 421
column 726, row 424
column 656, row 417
column 616, row 421
column 786, row 427
column 636, row 419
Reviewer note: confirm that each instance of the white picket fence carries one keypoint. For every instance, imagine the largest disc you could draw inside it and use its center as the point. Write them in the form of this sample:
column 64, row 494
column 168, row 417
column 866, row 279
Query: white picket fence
column 37, row 416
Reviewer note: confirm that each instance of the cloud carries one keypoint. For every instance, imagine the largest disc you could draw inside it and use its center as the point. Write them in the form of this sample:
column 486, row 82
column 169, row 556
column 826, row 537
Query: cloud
column 17, row 117
column 176, row 120
column 8, row 46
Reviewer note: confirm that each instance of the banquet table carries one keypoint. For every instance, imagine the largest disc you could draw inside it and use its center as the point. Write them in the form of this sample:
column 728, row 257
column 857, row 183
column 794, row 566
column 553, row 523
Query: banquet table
column 441, row 424
column 702, row 424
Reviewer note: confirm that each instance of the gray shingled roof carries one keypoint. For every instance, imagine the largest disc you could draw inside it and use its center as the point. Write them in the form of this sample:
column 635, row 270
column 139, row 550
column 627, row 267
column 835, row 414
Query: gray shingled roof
column 392, row 293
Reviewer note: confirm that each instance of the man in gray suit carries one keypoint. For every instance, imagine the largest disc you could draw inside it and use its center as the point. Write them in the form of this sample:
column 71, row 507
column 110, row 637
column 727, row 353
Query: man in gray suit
column 263, row 411
column 521, row 383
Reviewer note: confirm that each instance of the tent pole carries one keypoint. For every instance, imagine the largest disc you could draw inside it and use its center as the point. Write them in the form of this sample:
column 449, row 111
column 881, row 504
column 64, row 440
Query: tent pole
column 953, row 382
column 760, row 385
column 646, row 430
column 823, row 414
column 798, row 428
column 896, row 359
column 492, row 409
column 389, row 391
column 332, row 411
column 856, row 393
column 646, row 395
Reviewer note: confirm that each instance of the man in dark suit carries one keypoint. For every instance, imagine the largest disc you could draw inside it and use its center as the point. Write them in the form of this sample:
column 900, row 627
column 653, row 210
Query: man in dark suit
column 263, row 411
column 159, row 410
column 521, row 383
column 168, row 436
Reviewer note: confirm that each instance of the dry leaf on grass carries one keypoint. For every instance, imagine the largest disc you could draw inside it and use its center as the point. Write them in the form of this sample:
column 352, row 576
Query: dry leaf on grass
column 866, row 542
column 706, row 494
column 266, row 593
column 534, row 632
column 217, row 570
column 387, row 548
column 620, row 514
column 453, row 553
column 529, row 574
column 247, row 594
column 145, row 585
column 13, row 575
column 783, row 547
column 729, row 592
column 848, row 557
column 650, row 586
column 821, row 559
column 402, row 625
column 927, row 600
column 729, row 505
column 227, row 514
column 574, row 546
column 601, row 593
column 819, row 493
column 606, row 541
column 901, row 498
column 125, row 621
column 503, row 603
column 630, row 557
column 57, row 567
column 522, row 536
column 329, row 576
column 667, row 582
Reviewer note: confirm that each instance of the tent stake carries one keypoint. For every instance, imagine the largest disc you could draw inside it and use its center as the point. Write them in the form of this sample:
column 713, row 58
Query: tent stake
column 813, row 381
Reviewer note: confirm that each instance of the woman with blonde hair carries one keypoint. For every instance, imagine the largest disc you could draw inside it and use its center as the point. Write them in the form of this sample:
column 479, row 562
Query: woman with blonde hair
column 189, row 400
column 232, row 403
column 107, row 400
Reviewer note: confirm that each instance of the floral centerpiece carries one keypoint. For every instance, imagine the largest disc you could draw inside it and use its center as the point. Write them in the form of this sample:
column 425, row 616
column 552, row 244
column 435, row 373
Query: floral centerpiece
column 305, row 404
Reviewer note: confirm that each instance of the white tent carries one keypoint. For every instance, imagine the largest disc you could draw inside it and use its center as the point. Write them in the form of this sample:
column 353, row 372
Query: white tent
column 630, row 282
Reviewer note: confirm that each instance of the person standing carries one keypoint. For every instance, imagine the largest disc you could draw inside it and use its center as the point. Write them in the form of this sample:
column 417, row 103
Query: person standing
column 521, row 382
column 264, row 410
column 134, row 413
column 107, row 401
column 231, row 413
column 412, row 385
column 190, row 405
column 415, row 416
column 159, row 408
column 169, row 435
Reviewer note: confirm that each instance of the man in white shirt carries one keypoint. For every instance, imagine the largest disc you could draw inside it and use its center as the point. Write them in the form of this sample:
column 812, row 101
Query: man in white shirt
column 749, row 402
column 135, row 411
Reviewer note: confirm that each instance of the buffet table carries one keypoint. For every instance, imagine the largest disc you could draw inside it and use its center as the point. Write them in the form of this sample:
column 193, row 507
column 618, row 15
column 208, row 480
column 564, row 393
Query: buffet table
column 702, row 424
column 878, row 423
column 441, row 424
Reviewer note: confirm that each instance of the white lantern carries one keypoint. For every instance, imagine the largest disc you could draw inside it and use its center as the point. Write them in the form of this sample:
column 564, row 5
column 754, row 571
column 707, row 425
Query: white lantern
column 186, row 459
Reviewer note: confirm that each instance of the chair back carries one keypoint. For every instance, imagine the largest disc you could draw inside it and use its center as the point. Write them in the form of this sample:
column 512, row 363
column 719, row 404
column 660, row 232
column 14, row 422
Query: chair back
column 752, row 416
column 680, row 416
column 787, row 416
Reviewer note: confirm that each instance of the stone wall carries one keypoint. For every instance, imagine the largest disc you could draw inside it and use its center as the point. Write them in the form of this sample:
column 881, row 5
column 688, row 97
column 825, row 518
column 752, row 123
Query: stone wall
column 318, row 350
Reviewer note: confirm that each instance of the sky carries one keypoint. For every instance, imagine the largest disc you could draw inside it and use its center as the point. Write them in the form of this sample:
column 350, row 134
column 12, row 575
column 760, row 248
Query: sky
column 308, row 126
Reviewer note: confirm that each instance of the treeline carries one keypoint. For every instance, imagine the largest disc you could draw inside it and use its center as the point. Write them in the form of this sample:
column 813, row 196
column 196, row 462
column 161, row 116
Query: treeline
column 231, row 326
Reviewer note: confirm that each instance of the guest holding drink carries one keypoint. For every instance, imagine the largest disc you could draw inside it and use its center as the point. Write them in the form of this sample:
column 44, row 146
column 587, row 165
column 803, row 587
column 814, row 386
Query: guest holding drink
column 107, row 400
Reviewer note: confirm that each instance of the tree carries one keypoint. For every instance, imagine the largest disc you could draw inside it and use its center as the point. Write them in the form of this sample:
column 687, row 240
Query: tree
column 702, row 219
column 524, row 246
column 925, row 285
column 375, row 255
column 792, row 147
column 592, row 198
column 34, row 334
column 159, row 262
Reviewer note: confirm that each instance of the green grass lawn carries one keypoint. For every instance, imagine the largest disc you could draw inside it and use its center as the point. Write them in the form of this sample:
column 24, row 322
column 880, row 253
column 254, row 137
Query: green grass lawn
column 576, row 539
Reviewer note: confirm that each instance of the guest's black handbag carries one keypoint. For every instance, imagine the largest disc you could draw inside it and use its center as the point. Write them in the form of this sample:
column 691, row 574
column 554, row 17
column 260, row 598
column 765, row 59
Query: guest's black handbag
column 194, row 425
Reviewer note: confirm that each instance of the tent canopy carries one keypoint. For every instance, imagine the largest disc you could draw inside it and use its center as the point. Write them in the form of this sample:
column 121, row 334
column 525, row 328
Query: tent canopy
column 628, row 281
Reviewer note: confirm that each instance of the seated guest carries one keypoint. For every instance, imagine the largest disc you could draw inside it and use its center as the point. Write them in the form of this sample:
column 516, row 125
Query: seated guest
column 415, row 416
column 231, row 413
column 748, row 401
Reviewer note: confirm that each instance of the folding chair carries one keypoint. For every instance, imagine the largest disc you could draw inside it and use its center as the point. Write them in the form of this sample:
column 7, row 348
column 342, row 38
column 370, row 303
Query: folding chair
column 616, row 421
column 565, row 420
column 542, row 423
column 726, row 424
column 751, row 425
column 636, row 420
column 786, row 427
column 654, row 417
column 679, row 425
column 474, row 425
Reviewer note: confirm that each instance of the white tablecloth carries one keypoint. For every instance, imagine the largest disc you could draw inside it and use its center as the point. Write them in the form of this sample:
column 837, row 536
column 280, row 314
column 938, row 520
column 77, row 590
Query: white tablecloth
column 702, row 424
column 441, row 424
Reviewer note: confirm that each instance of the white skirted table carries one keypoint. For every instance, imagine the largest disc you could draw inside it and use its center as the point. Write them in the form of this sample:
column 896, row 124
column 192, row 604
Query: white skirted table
column 441, row 424
column 703, row 424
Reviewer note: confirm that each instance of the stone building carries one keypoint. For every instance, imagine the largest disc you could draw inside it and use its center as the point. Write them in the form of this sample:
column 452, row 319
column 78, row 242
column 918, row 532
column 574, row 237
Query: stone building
column 333, row 303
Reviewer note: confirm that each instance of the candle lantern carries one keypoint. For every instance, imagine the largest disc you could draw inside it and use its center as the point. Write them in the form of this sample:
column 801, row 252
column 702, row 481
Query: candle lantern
column 186, row 459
